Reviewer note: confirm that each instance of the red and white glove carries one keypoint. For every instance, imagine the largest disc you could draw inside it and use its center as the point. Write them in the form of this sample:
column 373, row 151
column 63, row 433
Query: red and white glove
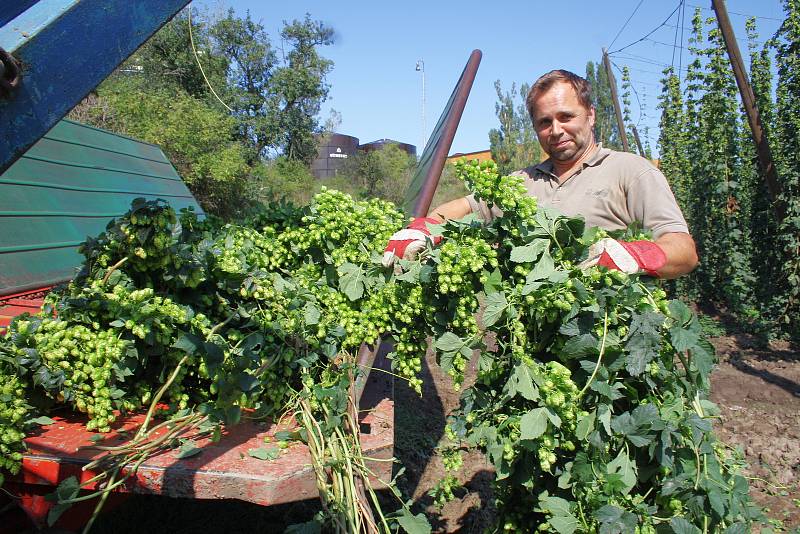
column 409, row 241
column 628, row 257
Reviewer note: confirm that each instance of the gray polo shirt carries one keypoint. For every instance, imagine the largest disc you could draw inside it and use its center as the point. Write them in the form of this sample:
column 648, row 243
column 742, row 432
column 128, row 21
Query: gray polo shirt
column 611, row 190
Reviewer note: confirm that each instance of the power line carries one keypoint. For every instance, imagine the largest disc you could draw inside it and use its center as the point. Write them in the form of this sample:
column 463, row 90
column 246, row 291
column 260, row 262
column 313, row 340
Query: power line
column 681, row 22
column 639, row 82
column 740, row 14
column 626, row 23
column 675, row 39
column 674, row 46
column 680, row 26
column 651, row 32
column 633, row 57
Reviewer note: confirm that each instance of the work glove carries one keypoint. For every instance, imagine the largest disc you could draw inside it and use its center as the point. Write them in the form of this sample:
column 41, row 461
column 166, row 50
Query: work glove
column 628, row 257
column 409, row 241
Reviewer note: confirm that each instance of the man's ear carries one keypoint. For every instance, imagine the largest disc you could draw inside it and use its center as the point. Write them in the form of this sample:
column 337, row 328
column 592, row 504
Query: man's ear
column 592, row 116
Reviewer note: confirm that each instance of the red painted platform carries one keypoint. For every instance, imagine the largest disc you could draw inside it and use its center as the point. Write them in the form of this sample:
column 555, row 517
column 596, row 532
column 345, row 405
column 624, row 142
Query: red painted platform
column 13, row 305
column 222, row 470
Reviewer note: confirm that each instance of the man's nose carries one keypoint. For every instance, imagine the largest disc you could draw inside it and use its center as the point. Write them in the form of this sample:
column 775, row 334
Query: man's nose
column 555, row 128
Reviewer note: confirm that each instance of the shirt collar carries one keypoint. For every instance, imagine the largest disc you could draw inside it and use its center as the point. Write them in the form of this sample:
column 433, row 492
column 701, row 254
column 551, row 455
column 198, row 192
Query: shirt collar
column 599, row 155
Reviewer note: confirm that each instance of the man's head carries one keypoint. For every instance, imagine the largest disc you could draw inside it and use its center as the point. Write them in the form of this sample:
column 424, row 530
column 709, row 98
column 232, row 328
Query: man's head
column 560, row 106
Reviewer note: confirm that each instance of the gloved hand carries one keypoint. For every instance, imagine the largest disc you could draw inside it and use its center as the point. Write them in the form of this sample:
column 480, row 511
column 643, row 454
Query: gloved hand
column 628, row 257
column 409, row 241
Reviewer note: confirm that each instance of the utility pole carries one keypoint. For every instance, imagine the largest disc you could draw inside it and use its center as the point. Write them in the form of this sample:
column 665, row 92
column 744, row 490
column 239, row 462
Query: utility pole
column 638, row 141
column 612, row 82
column 749, row 100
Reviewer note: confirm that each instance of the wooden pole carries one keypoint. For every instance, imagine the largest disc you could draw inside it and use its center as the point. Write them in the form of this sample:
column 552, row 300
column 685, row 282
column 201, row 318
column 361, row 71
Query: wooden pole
column 749, row 100
column 638, row 141
column 612, row 82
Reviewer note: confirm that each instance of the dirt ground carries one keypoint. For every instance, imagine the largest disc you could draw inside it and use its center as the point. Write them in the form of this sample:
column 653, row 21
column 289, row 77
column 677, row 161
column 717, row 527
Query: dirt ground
column 757, row 390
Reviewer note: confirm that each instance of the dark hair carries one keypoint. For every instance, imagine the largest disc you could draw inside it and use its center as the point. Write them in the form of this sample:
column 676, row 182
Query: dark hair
column 582, row 88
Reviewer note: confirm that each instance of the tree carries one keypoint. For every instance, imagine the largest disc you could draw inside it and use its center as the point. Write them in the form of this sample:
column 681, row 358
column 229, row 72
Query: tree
column 197, row 138
column 167, row 59
column 786, row 126
column 263, row 104
column 606, row 130
column 385, row 172
column 673, row 143
column 274, row 97
column 513, row 145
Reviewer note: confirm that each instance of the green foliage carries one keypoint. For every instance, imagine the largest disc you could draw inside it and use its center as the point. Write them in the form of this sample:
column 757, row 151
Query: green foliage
column 626, row 107
column 273, row 100
column 514, row 145
column 167, row 60
column 14, row 412
column 763, row 226
column 590, row 402
column 590, row 405
column 787, row 121
column 282, row 178
column 748, row 262
column 384, row 173
column 723, row 183
column 450, row 186
column 197, row 138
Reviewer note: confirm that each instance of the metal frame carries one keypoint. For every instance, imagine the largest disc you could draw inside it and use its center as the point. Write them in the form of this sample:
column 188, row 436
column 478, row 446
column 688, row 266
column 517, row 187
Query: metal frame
column 66, row 48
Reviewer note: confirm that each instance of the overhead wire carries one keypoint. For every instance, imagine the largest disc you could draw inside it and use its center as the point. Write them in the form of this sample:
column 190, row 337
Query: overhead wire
column 739, row 14
column 676, row 26
column 633, row 57
column 662, row 43
column 651, row 32
column 681, row 22
column 626, row 23
column 675, row 39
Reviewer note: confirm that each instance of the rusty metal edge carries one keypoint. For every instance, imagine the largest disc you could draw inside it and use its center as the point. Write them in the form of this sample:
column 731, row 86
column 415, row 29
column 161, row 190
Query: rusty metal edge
column 423, row 202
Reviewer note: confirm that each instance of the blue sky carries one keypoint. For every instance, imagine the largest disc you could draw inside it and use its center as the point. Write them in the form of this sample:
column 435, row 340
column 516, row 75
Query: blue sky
column 378, row 92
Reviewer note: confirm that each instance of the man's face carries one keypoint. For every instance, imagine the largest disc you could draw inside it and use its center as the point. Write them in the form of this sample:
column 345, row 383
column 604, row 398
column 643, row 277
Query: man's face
column 563, row 125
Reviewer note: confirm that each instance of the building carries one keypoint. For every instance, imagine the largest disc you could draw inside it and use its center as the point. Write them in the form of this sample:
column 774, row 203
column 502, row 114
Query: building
column 332, row 154
column 480, row 155
column 335, row 149
column 483, row 155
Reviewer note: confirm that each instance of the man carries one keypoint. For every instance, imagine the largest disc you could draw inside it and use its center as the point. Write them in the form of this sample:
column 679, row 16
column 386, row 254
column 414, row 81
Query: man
column 609, row 189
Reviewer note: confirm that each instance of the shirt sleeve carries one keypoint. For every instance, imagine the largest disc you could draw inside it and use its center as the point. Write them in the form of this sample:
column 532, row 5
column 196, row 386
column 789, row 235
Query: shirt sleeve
column 651, row 201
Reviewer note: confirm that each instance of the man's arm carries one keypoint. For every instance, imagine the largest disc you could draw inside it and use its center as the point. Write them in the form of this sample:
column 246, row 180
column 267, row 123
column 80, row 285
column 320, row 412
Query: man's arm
column 455, row 209
column 681, row 254
column 410, row 240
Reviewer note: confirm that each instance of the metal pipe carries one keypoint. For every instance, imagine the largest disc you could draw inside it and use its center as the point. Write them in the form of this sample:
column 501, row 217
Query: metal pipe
column 442, row 143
